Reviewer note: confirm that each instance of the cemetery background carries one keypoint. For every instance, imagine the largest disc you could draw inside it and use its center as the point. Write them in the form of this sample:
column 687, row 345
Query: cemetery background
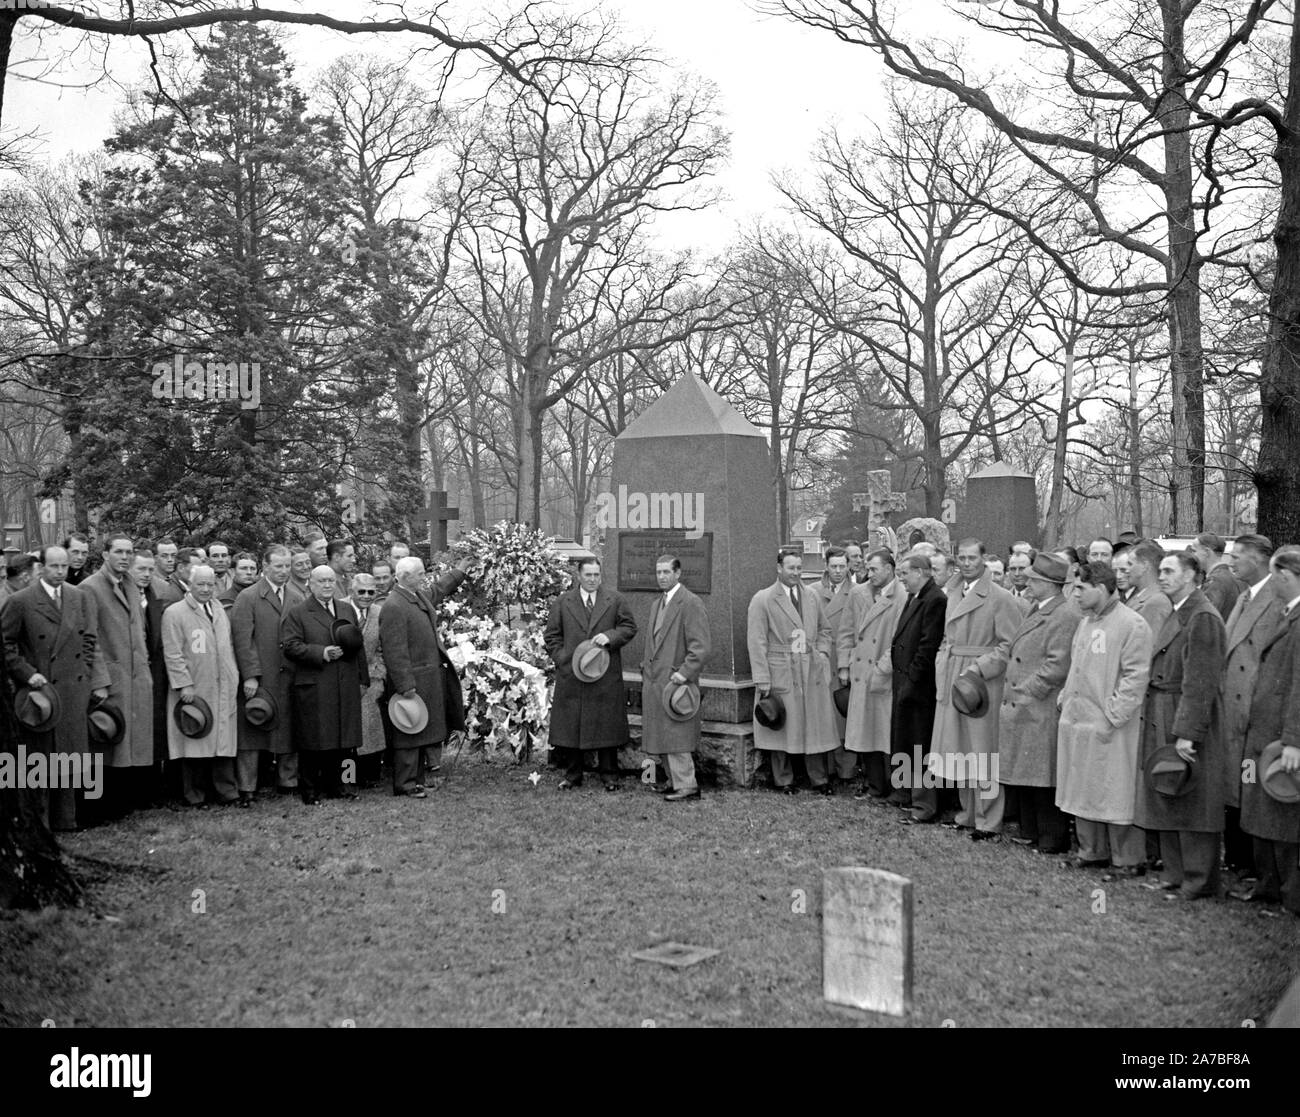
column 418, row 385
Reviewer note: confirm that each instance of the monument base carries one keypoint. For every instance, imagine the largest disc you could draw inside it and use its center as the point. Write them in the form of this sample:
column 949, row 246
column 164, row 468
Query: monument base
column 726, row 756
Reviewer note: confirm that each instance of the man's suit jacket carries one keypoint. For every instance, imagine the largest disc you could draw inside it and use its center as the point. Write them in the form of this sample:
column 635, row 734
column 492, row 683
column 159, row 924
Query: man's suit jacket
column 40, row 638
column 912, row 651
column 1250, row 629
column 122, row 650
column 681, row 643
column 588, row 715
column 255, row 619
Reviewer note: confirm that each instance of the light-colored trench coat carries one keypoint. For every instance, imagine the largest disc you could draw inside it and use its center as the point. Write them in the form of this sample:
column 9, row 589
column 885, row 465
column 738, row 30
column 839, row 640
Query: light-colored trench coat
column 199, row 653
column 1037, row 664
column 865, row 640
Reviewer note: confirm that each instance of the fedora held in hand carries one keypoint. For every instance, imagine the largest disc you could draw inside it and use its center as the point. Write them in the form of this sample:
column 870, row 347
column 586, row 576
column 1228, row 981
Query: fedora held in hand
column 105, row 725
column 1169, row 774
column 769, row 712
column 590, row 662
column 262, row 711
column 970, row 695
column 194, row 719
column 681, row 700
column 38, row 708
column 408, row 715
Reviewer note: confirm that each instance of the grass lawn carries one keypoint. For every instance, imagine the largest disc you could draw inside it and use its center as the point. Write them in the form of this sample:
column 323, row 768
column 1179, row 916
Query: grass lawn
column 381, row 912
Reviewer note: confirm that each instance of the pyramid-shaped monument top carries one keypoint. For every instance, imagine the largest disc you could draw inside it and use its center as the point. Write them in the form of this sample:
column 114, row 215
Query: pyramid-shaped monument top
column 689, row 407
column 998, row 469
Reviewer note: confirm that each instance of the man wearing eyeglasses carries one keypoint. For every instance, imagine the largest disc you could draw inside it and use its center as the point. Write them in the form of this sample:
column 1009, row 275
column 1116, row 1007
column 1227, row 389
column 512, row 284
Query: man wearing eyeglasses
column 374, row 713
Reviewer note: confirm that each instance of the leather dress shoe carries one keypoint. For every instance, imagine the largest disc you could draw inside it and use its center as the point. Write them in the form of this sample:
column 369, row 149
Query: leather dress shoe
column 917, row 818
column 678, row 796
column 1184, row 897
column 827, row 789
column 610, row 785
column 345, row 794
column 983, row 835
column 311, row 799
column 245, row 800
column 1160, row 886
column 566, row 785
column 663, row 788
column 1085, row 863
column 789, row 789
column 418, row 793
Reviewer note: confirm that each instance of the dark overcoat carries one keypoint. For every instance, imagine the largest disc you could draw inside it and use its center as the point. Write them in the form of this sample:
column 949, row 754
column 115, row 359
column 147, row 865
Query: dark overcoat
column 41, row 639
column 917, row 637
column 255, row 630
column 325, row 700
column 1222, row 588
column 1183, row 700
column 1274, row 716
column 414, row 657
column 588, row 715
column 121, row 648
column 1037, row 666
column 680, row 644
column 1250, row 628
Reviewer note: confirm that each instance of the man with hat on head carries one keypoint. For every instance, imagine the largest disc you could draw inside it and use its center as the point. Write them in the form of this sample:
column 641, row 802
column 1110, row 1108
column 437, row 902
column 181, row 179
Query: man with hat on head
column 418, row 672
column 265, row 674
column 1270, row 780
column 587, row 626
column 202, row 707
column 1220, row 586
column 980, row 620
column 1100, row 725
column 1038, row 662
column 863, row 664
column 321, row 639
column 675, row 652
column 1183, row 756
column 122, row 649
column 49, row 643
column 1250, row 627
column 789, row 654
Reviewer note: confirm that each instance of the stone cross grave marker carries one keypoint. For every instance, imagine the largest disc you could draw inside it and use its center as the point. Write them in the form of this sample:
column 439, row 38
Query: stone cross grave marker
column 434, row 519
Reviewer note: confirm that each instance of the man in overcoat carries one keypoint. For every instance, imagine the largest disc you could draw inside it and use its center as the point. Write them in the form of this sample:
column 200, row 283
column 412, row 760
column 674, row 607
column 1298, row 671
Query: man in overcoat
column 374, row 734
column 864, row 664
column 1254, row 616
column 201, row 665
column 155, row 596
column 255, row 629
column 676, row 650
column 1275, row 716
column 1183, row 708
column 1038, row 662
column 1100, row 726
column 835, row 588
column 980, row 620
column 917, row 636
column 326, row 686
column 122, row 650
column 1147, row 601
column 1219, row 584
column 588, row 716
column 416, row 663
column 790, row 642
column 49, row 637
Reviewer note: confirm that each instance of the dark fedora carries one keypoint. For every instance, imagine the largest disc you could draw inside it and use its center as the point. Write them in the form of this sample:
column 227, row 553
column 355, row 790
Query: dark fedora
column 769, row 712
column 262, row 711
column 590, row 661
column 193, row 718
column 681, row 701
column 1278, row 784
column 1168, row 774
column 841, row 697
column 38, row 708
column 105, row 725
column 1050, row 568
column 347, row 636
column 970, row 695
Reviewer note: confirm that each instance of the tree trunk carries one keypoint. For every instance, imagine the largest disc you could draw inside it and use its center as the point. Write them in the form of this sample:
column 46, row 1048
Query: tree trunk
column 1187, row 480
column 1052, row 527
column 1278, row 473
column 1134, row 440
column 528, row 500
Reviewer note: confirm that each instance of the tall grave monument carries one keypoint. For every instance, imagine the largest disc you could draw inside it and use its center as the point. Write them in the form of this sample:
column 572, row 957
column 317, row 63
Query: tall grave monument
column 692, row 477
column 1001, row 507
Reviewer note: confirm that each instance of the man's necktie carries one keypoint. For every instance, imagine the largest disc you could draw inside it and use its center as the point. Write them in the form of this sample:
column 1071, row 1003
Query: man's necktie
column 58, row 598
column 207, row 608
column 587, row 603
column 794, row 596
column 663, row 609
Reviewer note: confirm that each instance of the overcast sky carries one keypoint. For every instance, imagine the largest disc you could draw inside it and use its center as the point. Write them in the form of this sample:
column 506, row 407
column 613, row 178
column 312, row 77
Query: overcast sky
column 780, row 85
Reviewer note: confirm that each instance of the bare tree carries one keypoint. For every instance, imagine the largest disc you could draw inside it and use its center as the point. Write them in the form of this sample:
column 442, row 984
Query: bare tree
column 558, row 190
column 941, row 292
column 1129, row 100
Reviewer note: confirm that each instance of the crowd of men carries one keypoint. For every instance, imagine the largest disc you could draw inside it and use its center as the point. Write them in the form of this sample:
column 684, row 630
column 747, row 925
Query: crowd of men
column 1124, row 707
column 1145, row 702
column 201, row 674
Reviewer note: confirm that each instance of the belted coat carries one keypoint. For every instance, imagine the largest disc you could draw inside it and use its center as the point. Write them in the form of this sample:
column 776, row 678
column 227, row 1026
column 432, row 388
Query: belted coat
column 1250, row 628
column 864, row 641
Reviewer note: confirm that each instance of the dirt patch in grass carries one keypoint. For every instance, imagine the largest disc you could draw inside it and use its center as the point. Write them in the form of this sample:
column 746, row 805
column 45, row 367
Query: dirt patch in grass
column 494, row 902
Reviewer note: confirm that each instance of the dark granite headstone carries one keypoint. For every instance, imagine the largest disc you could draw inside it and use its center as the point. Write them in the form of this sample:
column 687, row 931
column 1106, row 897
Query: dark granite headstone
column 692, row 470
column 1001, row 507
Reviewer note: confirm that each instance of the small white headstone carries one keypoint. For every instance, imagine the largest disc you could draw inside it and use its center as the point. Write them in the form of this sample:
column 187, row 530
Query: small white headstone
column 867, row 940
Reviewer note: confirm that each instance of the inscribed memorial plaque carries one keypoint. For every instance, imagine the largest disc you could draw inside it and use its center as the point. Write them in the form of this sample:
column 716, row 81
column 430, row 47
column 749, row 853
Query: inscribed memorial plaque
column 638, row 550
